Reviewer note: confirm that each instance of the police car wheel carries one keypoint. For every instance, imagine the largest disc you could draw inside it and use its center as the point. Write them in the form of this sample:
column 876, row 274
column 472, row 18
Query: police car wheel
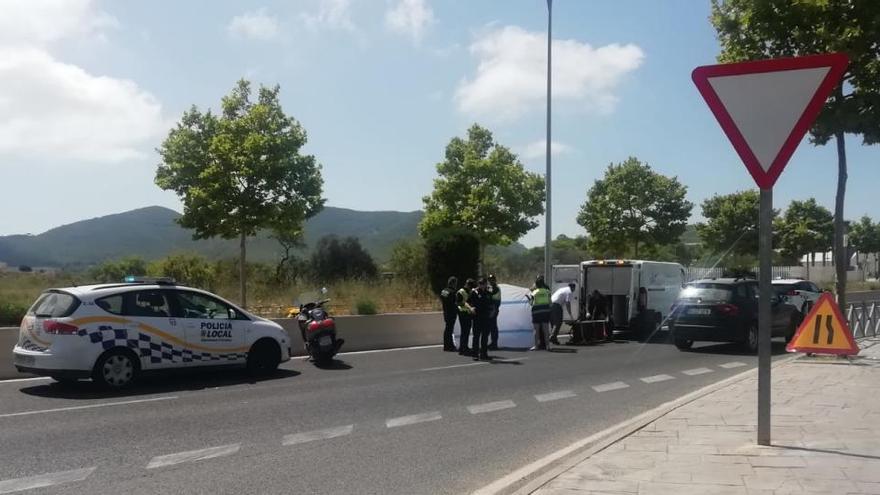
column 264, row 357
column 115, row 369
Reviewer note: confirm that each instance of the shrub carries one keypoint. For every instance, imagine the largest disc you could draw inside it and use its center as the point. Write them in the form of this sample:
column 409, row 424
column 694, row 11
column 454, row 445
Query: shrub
column 365, row 307
column 451, row 252
column 11, row 313
column 116, row 270
column 409, row 262
column 187, row 269
column 339, row 259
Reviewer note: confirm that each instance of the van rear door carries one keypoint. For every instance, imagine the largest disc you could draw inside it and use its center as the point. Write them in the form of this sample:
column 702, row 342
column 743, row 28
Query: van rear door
column 564, row 275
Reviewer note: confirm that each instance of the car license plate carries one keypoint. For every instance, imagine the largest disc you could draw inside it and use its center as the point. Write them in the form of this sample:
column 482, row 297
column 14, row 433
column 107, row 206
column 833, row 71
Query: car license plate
column 325, row 340
column 24, row 360
column 700, row 311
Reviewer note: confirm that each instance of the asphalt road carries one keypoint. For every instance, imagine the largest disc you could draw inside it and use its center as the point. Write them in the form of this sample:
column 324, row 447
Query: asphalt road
column 407, row 421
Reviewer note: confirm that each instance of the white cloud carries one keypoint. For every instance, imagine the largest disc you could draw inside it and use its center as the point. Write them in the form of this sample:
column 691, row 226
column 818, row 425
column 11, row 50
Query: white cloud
column 410, row 18
column 511, row 76
column 54, row 110
column 257, row 25
column 331, row 14
column 538, row 149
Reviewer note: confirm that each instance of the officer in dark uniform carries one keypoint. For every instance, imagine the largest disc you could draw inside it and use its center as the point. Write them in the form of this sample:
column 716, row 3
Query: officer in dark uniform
column 450, row 312
column 495, row 292
column 484, row 307
column 465, row 315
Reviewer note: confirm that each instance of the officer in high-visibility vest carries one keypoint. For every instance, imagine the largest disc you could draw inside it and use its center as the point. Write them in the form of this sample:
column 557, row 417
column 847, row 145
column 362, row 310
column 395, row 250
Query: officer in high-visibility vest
column 465, row 315
column 540, row 299
column 495, row 292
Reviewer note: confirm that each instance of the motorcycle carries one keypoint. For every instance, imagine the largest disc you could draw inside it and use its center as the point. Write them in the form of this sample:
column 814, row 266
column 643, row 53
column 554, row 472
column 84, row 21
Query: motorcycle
column 318, row 331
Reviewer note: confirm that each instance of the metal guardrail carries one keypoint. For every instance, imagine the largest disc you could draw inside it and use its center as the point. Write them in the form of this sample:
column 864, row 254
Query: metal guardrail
column 864, row 319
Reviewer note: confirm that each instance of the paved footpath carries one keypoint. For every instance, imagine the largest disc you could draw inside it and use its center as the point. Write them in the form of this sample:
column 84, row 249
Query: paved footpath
column 825, row 439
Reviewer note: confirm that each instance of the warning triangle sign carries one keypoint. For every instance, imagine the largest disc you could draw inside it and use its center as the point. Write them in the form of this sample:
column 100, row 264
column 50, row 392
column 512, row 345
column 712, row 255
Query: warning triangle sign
column 824, row 331
column 766, row 107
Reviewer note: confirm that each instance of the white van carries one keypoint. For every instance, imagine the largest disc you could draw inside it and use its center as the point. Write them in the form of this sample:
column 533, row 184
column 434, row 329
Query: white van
column 620, row 282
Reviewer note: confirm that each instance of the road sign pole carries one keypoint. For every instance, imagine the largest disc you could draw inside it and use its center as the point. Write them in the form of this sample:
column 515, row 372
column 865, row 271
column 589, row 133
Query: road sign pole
column 548, row 229
column 765, row 251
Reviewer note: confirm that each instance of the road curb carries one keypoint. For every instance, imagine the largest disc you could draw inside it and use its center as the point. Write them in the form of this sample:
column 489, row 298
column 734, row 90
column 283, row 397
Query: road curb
column 566, row 458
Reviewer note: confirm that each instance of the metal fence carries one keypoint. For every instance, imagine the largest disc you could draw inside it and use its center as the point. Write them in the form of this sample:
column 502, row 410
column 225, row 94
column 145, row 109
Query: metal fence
column 697, row 272
column 864, row 319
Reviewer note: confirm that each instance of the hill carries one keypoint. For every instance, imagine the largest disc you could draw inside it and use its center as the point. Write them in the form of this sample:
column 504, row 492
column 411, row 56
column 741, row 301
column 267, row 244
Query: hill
column 152, row 233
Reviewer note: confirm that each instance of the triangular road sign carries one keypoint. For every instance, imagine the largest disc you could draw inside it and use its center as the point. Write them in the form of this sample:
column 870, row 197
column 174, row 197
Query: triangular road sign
column 767, row 106
column 824, row 331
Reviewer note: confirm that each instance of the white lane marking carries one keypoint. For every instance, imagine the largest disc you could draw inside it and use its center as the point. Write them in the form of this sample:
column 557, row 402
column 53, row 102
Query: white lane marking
column 90, row 406
column 607, row 387
column 44, row 480
column 453, row 366
column 193, row 455
column 697, row 371
column 311, row 436
column 562, row 394
column 413, row 419
column 657, row 378
column 491, row 406
column 15, row 380
column 734, row 364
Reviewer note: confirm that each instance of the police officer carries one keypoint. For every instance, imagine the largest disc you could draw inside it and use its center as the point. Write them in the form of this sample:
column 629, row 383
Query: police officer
column 450, row 312
column 495, row 292
column 540, row 299
column 465, row 315
column 483, row 307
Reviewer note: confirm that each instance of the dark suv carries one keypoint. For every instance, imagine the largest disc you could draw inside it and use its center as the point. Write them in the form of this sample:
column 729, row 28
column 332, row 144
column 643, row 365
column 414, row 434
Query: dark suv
column 726, row 310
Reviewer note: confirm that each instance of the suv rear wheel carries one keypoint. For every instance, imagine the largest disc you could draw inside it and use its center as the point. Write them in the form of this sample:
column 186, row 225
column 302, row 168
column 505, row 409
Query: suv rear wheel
column 751, row 342
column 683, row 344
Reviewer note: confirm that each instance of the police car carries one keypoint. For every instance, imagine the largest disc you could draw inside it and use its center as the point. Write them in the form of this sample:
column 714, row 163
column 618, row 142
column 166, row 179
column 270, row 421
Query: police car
column 113, row 332
column 802, row 294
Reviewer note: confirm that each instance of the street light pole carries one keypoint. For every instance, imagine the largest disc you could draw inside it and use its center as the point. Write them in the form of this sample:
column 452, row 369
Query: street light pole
column 547, row 176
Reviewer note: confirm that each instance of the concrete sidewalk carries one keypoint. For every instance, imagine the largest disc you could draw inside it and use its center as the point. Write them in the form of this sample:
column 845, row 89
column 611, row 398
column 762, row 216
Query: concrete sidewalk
column 826, row 439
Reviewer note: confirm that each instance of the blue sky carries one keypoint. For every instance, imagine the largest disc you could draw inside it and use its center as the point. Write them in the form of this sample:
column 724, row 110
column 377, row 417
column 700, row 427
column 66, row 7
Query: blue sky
column 90, row 88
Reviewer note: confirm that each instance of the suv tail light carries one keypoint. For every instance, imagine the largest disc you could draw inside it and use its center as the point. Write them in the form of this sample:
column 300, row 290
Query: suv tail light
column 728, row 309
column 57, row 328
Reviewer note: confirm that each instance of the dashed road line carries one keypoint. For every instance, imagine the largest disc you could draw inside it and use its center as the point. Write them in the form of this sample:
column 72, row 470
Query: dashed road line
column 607, row 387
column 562, row 394
column 90, row 406
column 311, row 436
column 731, row 365
column 45, row 480
column 454, row 366
column 657, row 378
column 697, row 371
column 491, row 406
column 413, row 419
column 193, row 455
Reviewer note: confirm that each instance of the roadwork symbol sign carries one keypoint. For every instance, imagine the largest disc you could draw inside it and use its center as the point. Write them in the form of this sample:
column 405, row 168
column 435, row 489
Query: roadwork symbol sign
column 824, row 331
column 767, row 106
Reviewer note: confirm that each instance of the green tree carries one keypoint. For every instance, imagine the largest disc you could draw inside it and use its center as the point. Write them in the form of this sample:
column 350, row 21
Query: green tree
column 185, row 268
column 633, row 206
column 241, row 171
column 451, row 252
column 409, row 261
column 117, row 270
column 864, row 235
column 731, row 224
column 757, row 29
column 289, row 240
column 806, row 227
column 338, row 259
column 482, row 187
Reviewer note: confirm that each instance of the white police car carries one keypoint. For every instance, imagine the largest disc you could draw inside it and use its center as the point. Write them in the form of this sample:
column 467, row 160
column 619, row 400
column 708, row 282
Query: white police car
column 112, row 332
column 802, row 294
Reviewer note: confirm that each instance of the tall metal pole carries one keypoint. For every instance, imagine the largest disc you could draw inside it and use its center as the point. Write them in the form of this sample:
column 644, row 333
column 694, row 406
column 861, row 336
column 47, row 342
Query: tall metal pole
column 547, row 176
column 765, row 251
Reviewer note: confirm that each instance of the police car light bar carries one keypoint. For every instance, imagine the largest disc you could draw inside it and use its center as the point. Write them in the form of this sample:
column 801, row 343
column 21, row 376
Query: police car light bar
column 132, row 279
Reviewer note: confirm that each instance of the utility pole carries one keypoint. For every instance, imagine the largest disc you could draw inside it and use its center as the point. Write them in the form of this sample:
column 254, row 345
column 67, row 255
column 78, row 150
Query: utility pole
column 548, row 235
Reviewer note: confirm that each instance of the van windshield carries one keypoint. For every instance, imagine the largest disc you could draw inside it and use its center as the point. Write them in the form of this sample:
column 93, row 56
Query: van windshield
column 707, row 293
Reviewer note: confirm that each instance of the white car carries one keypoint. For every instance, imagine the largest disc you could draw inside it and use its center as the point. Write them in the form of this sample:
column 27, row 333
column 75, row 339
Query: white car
column 802, row 294
column 113, row 332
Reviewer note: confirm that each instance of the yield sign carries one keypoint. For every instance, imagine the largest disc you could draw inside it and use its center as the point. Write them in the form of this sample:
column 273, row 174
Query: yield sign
column 824, row 331
column 766, row 107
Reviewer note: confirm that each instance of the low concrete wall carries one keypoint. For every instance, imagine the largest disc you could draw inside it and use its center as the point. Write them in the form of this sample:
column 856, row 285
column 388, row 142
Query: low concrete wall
column 361, row 333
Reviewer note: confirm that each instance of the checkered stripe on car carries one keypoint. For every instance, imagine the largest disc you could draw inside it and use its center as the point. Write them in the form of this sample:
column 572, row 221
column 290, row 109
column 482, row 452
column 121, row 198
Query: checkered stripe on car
column 153, row 349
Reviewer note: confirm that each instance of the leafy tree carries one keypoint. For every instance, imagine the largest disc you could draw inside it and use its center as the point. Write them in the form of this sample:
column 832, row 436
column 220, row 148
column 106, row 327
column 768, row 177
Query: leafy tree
column 451, row 252
column 117, row 270
column 756, row 29
column 337, row 259
column 865, row 236
column 806, row 227
column 189, row 269
column 290, row 240
column 634, row 206
column 409, row 262
column 731, row 224
column 482, row 187
column 241, row 171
